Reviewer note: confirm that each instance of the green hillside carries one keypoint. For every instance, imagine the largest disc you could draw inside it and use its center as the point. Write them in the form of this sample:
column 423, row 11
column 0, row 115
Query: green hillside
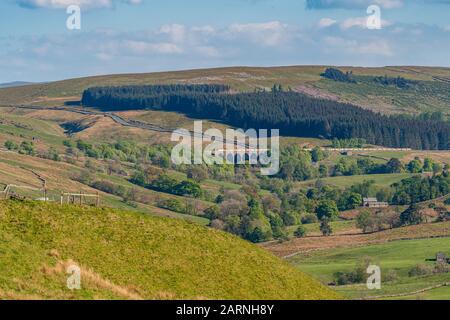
column 430, row 92
column 126, row 255
column 395, row 259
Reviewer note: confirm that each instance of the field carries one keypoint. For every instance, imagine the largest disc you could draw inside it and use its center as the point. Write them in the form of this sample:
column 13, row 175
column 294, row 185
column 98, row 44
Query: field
column 431, row 95
column 134, row 249
column 339, row 228
column 44, row 127
column 442, row 156
column 396, row 256
column 383, row 180
column 309, row 244
column 125, row 255
column 18, row 169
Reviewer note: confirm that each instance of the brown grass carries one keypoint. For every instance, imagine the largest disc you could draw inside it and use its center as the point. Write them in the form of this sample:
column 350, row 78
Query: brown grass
column 92, row 279
column 352, row 214
column 16, row 169
column 438, row 156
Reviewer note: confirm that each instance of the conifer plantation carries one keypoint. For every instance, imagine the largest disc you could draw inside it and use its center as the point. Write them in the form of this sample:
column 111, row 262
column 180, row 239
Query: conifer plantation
column 293, row 113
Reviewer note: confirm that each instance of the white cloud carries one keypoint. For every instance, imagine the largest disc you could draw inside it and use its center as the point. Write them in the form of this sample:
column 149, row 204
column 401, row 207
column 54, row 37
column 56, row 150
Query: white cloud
column 339, row 42
column 326, row 22
column 104, row 56
column 269, row 34
column 352, row 4
column 142, row 47
column 178, row 46
column 378, row 48
column 362, row 4
column 360, row 22
column 208, row 51
column 204, row 29
column 176, row 32
column 389, row 4
column 374, row 47
column 59, row 4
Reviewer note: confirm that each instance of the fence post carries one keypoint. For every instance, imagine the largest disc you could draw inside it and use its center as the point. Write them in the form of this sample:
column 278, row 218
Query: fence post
column 44, row 185
column 62, row 198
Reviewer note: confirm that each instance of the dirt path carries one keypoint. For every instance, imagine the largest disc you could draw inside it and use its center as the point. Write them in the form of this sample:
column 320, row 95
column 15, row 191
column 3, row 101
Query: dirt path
column 406, row 294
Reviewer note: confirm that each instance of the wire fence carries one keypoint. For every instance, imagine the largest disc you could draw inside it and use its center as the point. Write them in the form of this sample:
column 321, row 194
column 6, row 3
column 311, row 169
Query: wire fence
column 43, row 194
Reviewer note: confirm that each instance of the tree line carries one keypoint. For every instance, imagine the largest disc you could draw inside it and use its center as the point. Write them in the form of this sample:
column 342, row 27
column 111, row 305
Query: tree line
column 293, row 113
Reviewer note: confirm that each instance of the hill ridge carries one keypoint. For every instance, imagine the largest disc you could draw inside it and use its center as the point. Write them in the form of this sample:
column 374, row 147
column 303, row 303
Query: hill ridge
column 148, row 257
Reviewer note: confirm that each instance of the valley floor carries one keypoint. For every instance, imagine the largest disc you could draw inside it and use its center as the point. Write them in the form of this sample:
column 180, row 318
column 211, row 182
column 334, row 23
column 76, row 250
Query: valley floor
column 396, row 251
column 395, row 259
column 308, row 244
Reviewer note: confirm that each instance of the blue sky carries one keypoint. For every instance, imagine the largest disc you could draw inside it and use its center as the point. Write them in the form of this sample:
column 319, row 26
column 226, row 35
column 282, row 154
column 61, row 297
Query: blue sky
column 119, row 36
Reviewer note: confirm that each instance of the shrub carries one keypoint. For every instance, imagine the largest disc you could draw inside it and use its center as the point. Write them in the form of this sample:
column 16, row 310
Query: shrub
column 390, row 276
column 68, row 144
column 217, row 224
column 27, row 148
column 172, row 205
column 357, row 275
column 53, row 154
column 290, row 218
column 368, row 222
column 257, row 235
column 412, row 216
column 325, row 227
column 420, row 270
column 309, row 218
column 188, row 188
column 212, row 213
column 115, row 189
column 350, row 200
column 83, row 146
column 300, row 232
column 197, row 173
column 11, row 145
column 338, row 75
column 328, row 209
column 83, row 177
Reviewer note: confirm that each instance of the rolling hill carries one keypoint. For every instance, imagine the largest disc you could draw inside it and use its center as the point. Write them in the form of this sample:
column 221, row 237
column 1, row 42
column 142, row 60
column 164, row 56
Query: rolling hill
column 125, row 255
column 396, row 259
column 132, row 250
column 14, row 84
column 430, row 94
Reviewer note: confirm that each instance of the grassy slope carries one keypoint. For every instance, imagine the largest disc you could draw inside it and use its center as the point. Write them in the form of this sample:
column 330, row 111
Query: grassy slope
column 384, row 180
column 43, row 126
column 441, row 293
column 308, row 244
column 15, row 169
column 128, row 255
column 433, row 96
column 399, row 256
column 339, row 227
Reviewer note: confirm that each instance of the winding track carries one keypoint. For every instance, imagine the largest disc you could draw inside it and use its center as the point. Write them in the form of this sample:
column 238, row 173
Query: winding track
column 122, row 121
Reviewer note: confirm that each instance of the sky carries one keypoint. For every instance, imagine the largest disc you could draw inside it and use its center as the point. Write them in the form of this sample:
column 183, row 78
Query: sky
column 127, row 36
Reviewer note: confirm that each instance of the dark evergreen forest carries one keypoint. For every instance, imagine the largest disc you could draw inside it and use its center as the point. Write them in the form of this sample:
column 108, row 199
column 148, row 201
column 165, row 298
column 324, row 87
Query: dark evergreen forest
column 293, row 113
